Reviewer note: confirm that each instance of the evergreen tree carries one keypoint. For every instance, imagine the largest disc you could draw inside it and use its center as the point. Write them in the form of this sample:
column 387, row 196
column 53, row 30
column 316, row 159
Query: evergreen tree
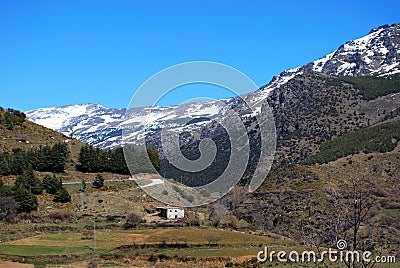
column 49, row 158
column 62, row 196
column 93, row 159
column 5, row 162
column 5, row 190
column 26, row 201
column 51, row 184
column 87, row 159
column 154, row 158
column 59, row 154
column 29, row 181
column 98, row 182
column 19, row 161
column 118, row 162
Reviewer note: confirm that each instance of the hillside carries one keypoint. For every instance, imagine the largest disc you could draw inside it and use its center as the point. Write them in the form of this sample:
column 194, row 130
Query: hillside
column 313, row 203
column 26, row 135
column 312, row 108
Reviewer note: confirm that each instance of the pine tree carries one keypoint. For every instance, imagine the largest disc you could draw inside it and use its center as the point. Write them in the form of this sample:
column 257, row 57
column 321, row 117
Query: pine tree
column 62, row 196
column 9, row 120
column 19, row 162
column 26, row 201
column 29, row 181
column 51, row 184
column 5, row 190
column 118, row 162
column 154, row 158
column 5, row 164
column 59, row 154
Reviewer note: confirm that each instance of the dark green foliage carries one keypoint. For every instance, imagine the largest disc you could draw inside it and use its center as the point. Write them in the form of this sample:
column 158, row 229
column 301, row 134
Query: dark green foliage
column 52, row 159
column 62, row 196
column 11, row 117
column 117, row 163
column 5, row 190
column 191, row 151
column 19, row 161
column 98, row 182
column 372, row 87
column 5, row 164
column 29, row 181
column 46, row 158
column 51, row 184
column 379, row 138
column 141, row 160
column 154, row 157
column 26, row 201
column 93, row 159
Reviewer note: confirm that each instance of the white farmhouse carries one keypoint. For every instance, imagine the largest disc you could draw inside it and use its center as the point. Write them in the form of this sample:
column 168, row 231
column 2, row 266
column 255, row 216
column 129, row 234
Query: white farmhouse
column 171, row 212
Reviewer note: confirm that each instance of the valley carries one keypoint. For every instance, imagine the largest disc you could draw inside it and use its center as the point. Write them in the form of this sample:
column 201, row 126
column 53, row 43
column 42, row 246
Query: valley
column 68, row 197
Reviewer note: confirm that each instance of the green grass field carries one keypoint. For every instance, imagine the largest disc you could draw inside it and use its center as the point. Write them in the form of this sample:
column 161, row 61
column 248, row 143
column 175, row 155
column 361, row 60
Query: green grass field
column 225, row 243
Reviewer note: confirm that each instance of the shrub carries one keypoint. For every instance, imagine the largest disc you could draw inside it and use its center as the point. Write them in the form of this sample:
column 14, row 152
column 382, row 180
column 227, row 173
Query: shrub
column 60, row 215
column 132, row 220
column 98, row 182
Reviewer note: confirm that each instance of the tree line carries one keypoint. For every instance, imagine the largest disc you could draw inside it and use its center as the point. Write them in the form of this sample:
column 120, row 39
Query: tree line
column 44, row 158
column 91, row 159
column 94, row 160
column 379, row 138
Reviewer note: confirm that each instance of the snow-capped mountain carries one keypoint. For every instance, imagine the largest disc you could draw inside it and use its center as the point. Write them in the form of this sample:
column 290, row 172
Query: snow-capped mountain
column 102, row 127
column 377, row 53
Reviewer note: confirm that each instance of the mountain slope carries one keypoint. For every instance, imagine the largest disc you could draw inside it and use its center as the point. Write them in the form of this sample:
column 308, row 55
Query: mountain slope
column 374, row 54
column 99, row 126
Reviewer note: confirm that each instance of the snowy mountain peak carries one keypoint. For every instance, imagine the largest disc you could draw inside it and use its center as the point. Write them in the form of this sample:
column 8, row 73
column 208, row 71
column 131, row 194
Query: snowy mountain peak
column 102, row 127
column 377, row 53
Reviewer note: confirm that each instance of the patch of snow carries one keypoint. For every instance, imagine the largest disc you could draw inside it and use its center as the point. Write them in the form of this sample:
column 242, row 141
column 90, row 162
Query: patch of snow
column 318, row 65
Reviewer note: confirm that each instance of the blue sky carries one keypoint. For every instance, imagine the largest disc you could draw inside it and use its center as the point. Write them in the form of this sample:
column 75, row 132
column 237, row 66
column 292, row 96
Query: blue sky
column 70, row 52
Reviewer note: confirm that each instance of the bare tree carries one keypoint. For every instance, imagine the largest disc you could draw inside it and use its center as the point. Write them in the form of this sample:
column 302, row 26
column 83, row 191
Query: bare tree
column 8, row 209
column 132, row 220
column 347, row 210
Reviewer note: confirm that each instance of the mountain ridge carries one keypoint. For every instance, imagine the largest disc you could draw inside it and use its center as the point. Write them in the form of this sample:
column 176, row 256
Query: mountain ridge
column 100, row 126
column 388, row 35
